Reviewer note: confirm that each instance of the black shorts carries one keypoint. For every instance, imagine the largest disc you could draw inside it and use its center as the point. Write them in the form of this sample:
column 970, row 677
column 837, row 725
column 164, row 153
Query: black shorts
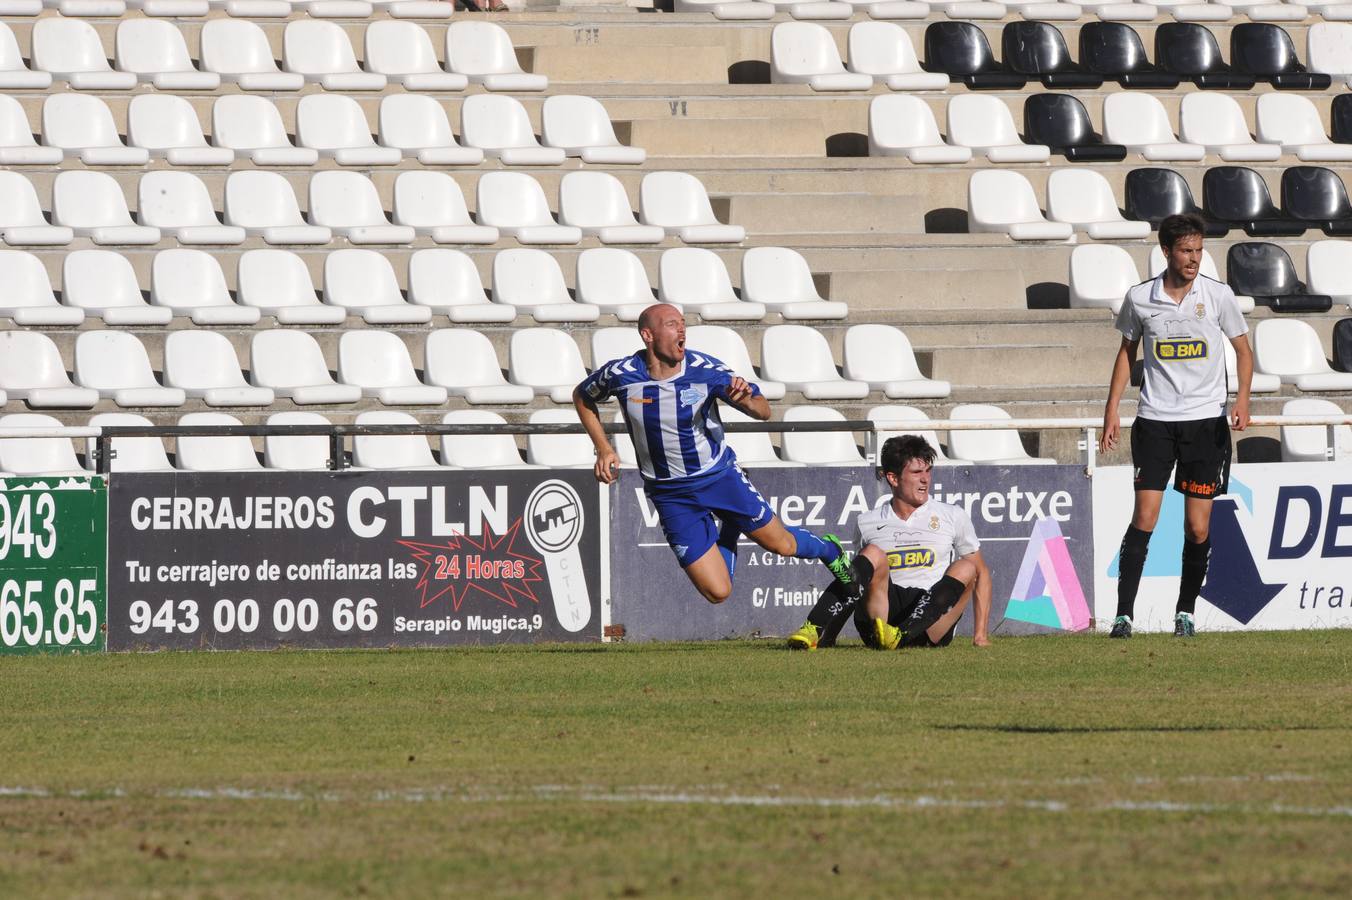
column 1196, row 451
column 913, row 611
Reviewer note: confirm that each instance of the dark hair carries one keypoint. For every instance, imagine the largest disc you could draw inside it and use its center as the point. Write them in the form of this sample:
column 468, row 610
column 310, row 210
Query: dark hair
column 898, row 452
column 1180, row 225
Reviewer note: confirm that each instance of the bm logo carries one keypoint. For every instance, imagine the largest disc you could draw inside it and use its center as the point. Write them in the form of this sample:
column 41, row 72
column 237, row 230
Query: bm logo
column 910, row 558
column 1180, row 348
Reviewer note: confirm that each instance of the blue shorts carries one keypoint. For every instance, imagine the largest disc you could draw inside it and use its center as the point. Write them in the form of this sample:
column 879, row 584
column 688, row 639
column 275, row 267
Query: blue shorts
column 686, row 509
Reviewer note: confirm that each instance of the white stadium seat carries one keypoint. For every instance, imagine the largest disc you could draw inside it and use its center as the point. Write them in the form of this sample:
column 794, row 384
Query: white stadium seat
column 92, row 205
column 677, row 202
column 70, row 50
column 463, row 361
column 239, row 52
column 515, row 204
column 727, row 346
column 1083, row 199
column 291, row 364
column 895, row 419
column 14, row 74
column 167, row 127
column 83, row 126
column 1138, row 121
column 779, row 279
column 448, row 283
column 347, row 204
column 753, row 448
column 103, row 284
column 296, row 452
column 154, row 50
column 22, row 222
column 905, row 126
column 1262, row 383
column 205, row 366
column 819, row 448
column 391, row 451
column 321, row 52
column 559, row 451
column 483, row 51
column 36, row 456
column 545, row 360
column 532, row 282
column 614, row 281
column 479, row 451
column 1216, row 122
column 1310, row 443
column 335, row 126
column 1293, row 122
column 17, row 146
column 581, row 127
column 263, row 204
column 881, row 356
column 403, row 53
column 115, row 364
column 378, row 363
column 1329, row 267
column 1328, row 49
column 31, row 370
column 28, row 297
column 130, row 454
column 177, row 203
column 252, row 127
column 986, row 126
column 695, row 279
column 1291, row 350
column 806, row 53
column 191, row 283
column 215, row 454
column 1100, row 275
column 417, row 126
column 995, row 447
column 363, row 282
column 800, row 357
column 500, row 127
column 278, row 284
column 617, row 342
column 1002, row 201
column 433, row 205
column 883, row 51
column 597, row 203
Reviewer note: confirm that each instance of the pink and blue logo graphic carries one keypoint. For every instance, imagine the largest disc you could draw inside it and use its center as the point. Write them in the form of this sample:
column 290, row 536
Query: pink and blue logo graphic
column 1047, row 591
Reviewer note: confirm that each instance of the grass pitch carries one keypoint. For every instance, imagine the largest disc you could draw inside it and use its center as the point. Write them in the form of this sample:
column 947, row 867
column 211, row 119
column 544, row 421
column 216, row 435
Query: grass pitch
column 1040, row 766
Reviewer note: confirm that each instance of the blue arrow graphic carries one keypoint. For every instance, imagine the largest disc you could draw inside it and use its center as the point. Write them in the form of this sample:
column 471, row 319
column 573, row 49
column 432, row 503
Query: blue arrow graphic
column 1233, row 584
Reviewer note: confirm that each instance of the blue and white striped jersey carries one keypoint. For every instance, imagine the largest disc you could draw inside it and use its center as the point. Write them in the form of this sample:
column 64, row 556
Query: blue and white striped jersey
column 673, row 423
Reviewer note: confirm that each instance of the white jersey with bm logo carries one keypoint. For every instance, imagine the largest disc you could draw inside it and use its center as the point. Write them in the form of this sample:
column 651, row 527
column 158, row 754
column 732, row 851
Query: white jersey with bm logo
column 920, row 548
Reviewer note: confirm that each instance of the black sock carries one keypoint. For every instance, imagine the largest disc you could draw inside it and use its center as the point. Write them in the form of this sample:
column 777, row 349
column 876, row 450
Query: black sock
column 1195, row 559
column 1130, row 564
column 861, row 568
column 946, row 592
column 833, row 601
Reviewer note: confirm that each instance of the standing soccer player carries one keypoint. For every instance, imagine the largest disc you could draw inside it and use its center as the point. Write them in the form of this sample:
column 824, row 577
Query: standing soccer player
column 669, row 397
column 1180, row 423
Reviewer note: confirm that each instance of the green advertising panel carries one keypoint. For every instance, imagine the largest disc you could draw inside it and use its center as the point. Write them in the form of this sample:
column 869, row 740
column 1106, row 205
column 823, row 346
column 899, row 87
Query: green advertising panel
column 53, row 564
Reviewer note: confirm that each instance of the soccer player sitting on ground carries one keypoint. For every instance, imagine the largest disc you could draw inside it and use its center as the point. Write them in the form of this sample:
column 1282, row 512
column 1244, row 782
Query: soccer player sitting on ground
column 902, row 546
column 669, row 397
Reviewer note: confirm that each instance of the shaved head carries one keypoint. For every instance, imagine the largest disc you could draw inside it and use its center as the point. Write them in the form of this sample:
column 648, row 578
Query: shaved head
column 650, row 316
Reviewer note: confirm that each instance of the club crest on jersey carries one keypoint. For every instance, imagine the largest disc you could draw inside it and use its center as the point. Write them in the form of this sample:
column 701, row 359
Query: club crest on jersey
column 1176, row 349
column 691, row 396
column 934, row 523
column 1200, row 310
column 910, row 558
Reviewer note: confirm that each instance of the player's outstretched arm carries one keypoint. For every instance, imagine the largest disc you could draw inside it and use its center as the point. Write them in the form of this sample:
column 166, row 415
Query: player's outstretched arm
column 981, row 601
column 744, row 397
column 1239, row 416
column 607, row 463
column 1117, row 385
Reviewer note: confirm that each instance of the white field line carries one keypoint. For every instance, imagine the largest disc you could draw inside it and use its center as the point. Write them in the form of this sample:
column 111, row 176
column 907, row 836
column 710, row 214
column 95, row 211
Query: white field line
column 668, row 796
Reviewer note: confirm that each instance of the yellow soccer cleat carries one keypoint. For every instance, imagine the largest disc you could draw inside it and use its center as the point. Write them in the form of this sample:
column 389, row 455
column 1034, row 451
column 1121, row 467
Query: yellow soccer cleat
column 887, row 637
column 804, row 638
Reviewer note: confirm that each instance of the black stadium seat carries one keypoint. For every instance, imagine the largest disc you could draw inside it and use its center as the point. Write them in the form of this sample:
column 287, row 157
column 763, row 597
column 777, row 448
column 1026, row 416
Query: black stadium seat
column 1190, row 51
column 1115, row 51
column 1264, row 272
column 1154, row 194
column 1038, row 50
column 1061, row 122
column 1340, row 119
column 1318, row 196
column 960, row 51
column 1342, row 345
column 1266, row 52
column 1239, row 196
